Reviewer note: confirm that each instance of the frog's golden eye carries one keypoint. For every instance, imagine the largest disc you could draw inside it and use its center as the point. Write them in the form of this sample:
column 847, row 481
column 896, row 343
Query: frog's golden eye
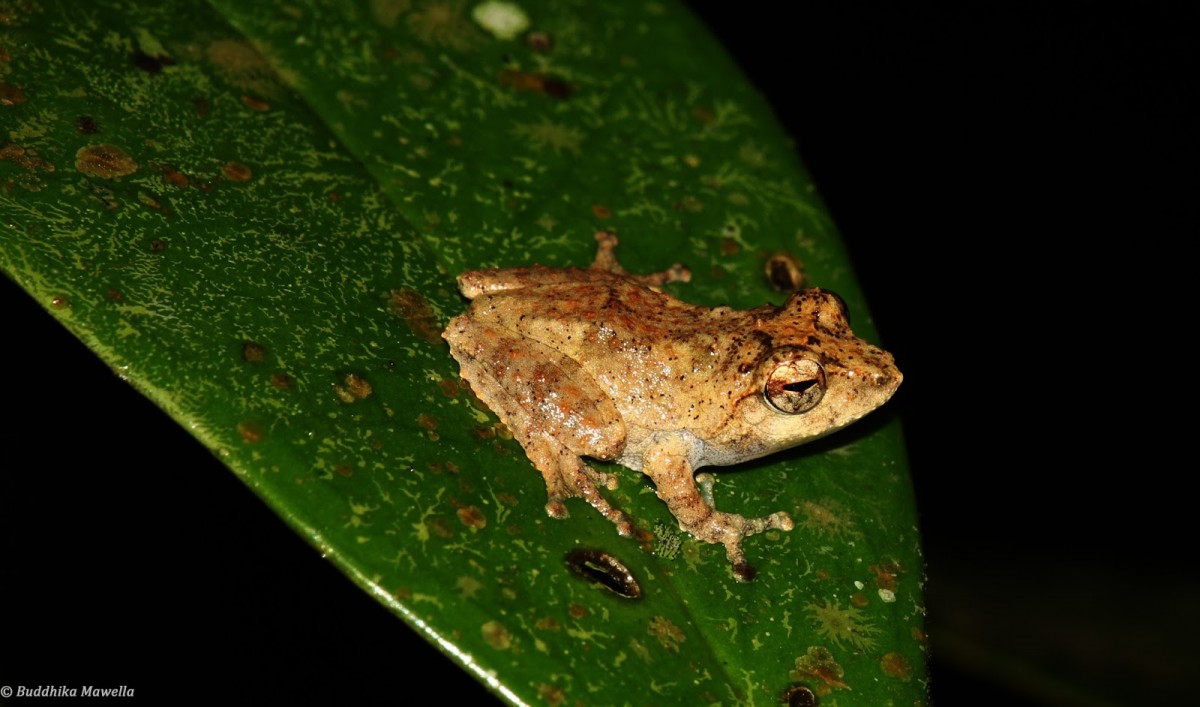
column 795, row 386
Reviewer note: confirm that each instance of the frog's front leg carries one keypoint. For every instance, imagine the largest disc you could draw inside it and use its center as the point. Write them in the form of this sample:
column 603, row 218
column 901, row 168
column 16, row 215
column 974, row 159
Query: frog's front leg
column 552, row 407
column 667, row 464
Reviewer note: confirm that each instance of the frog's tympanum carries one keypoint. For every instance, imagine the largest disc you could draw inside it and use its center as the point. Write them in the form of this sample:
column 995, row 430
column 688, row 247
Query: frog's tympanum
column 602, row 364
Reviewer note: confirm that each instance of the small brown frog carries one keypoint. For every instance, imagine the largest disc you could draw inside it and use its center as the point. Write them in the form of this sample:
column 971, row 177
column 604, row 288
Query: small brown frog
column 601, row 363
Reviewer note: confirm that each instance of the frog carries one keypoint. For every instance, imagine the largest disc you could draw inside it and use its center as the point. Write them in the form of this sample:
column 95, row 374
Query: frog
column 599, row 363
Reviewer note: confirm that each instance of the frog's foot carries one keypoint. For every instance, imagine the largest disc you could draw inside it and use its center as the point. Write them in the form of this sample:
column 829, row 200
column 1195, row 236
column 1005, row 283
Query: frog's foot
column 731, row 529
column 606, row 260
column 569, row 477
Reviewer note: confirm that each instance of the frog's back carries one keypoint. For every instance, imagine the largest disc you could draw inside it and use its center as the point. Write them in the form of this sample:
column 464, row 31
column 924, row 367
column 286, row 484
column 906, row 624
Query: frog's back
column 655, row 356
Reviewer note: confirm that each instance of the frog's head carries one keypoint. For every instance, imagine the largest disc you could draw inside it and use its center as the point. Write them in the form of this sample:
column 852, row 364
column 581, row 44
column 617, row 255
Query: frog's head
column 813, row 376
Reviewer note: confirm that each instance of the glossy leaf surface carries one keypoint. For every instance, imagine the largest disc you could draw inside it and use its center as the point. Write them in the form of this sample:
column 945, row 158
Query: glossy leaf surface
column 255, row 212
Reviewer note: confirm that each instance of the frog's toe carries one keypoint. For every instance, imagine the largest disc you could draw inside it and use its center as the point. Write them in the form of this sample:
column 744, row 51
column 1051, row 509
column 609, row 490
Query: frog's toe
column 624, row 525
column 602, row 478
column 555, row 508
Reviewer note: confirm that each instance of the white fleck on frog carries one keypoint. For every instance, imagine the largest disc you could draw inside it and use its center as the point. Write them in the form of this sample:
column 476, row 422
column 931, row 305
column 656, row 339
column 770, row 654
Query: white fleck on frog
column 600, row 363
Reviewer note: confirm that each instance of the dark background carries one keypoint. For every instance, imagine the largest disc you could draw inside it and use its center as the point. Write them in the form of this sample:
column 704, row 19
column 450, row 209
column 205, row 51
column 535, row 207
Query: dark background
column 1013, row 182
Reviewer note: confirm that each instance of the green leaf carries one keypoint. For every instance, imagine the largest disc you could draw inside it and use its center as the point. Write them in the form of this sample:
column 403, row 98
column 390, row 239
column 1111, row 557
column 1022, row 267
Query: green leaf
column 254, row 213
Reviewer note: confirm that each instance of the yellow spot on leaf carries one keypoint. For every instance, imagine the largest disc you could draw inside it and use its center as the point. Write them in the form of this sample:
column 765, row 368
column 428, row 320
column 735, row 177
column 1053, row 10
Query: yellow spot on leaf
column 496, row 635
column 667, row 633
column 504, row 20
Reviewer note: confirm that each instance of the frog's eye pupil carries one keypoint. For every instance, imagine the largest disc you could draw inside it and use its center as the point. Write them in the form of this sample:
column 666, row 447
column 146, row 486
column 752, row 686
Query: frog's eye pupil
column 799, row 387
column 795, row 386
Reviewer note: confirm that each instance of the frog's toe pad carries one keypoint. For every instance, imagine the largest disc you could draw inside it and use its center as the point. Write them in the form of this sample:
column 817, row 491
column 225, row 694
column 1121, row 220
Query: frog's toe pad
column 555, row 508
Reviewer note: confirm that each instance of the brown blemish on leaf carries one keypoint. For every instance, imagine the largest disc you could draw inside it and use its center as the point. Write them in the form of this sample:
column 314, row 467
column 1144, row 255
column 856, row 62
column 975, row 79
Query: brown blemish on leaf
column 358, row 386
column 818, row 664
column 104, row 161
column 414, row 309
column 785, row 272
column 576, row 611
column 496, row 635
column 250, row 431
column 918, row 634
column 201, row 105
column 896, row 666
column 256, row 104
column 439, row 527
column 885, row 575
column 548, row 623
column 452, row 467
column 112, row 294
column 450, row 387
column 507, row 499
column 552, row 694
column 667, row 633
column 236, row 172
column 24, row 157
column 828, row 519
column 546, row 84
column 253, row 352
column 343, row 470
column 245, row 67
column 472, row 517
column 11, row 95
column 427, row 421
column 157, row 245
column 540, row 42
column 60, row 302
column 150, row 64
column 87, row 125
column 859, row 599
column 601, row 211
column 282, row 381
column 175, row 178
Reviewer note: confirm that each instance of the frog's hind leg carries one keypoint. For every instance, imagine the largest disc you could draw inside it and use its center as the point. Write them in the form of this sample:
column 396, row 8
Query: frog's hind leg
column 551, row 406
